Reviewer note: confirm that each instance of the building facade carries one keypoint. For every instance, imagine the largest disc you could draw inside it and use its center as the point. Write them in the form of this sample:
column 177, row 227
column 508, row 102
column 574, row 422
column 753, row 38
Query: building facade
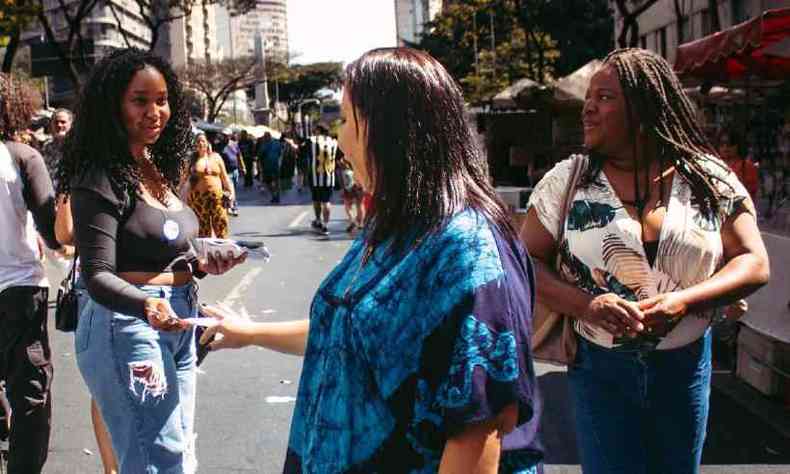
column 191, row 38
column 237, row 33
column 661, row 29
column 117, row 24
column 411, row 16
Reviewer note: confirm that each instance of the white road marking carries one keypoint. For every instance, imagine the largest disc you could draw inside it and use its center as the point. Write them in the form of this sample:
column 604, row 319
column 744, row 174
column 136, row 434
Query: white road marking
column 280, row 399
column 242, row 286
column 298, row 220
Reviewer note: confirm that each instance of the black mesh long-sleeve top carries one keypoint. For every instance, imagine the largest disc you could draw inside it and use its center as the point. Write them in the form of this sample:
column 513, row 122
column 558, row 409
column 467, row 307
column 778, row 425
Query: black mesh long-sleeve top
column 119, row 233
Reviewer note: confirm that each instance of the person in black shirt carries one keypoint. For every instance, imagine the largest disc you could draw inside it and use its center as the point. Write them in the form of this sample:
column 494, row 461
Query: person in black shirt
column 122, row 166
column 247, row 150
column 25, row 357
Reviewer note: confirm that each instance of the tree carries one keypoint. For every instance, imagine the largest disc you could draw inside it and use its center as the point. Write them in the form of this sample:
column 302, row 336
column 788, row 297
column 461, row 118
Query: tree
column 583, row 30
column 302, row 81
column 216, row 81
column 629, row 32
column 15, row 15
column 70, row 47
column 158, row 13
column 488, row 44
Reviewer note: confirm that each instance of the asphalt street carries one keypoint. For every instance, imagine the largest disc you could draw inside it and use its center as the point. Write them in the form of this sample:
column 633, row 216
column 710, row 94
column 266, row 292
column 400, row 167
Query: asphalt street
column 245, row 397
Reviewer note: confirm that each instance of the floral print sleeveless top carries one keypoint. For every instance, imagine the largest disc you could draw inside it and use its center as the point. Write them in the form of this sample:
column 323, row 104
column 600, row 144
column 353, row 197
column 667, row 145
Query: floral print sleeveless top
column 602, row 251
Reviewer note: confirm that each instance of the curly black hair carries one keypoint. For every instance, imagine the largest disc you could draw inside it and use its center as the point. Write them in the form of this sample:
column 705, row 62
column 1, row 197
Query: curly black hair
column 18, row 101
column 98, row 138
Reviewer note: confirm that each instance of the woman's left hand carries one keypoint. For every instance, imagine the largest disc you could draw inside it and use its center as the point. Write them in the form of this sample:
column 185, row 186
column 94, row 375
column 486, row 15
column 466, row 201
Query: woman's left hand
column 218, row 264
column 662, row 311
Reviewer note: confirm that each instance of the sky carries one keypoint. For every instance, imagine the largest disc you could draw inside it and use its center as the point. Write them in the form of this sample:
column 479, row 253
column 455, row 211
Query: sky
column 338, row 30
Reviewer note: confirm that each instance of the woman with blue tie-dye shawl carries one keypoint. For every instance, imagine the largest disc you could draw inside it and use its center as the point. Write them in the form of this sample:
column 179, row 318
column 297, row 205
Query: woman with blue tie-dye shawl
column 416, row 351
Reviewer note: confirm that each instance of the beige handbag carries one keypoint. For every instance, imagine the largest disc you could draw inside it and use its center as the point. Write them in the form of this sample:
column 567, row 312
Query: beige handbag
column 553, row 337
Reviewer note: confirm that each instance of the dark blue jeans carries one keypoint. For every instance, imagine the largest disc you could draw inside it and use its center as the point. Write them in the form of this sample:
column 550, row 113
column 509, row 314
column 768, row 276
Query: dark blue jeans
column 641, row 412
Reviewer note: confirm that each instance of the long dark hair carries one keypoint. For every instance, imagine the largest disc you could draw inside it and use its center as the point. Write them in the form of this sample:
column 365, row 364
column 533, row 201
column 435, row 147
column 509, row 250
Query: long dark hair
column 98, row 138
column 425, row 164
column 656, row 103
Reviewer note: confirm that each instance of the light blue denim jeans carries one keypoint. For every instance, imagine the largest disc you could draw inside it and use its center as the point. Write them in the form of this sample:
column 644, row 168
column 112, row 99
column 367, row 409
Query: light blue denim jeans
column 641, row 412
column 143, row 381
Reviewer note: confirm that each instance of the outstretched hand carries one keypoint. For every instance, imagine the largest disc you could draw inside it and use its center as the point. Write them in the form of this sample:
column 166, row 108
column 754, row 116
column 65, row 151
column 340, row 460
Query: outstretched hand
column 234, row 330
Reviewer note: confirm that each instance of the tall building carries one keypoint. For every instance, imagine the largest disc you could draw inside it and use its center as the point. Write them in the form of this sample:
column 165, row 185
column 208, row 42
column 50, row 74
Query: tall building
column 191, row 38
column 116, row 24
column 237, row 33
column 661, row 30
column 411, row 16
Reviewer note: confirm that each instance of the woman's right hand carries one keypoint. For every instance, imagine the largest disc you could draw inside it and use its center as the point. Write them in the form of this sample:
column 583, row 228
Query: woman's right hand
column 235, row 331
column 160, row 315
column 615, row 315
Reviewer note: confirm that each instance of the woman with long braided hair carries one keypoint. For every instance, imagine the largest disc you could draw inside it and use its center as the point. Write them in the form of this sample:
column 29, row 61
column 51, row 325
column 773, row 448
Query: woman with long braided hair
column 660, row 234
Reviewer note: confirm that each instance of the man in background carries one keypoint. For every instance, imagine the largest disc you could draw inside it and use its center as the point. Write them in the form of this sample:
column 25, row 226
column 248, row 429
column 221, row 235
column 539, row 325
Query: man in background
column 322, row 167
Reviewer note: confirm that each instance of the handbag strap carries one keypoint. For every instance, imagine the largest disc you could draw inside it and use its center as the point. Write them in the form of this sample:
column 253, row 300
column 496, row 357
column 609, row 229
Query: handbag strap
column 579, row 165
column 73, row 271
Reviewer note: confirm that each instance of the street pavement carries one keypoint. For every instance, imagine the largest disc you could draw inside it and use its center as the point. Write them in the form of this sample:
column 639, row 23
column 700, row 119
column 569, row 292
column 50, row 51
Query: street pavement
column 245, row 397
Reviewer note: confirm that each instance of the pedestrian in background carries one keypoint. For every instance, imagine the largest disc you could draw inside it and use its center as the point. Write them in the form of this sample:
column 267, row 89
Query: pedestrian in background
column 247, row 150
column 27, row 205
column 209, row 190
column 660, row 233
column 269, row 156
column 59, row 126
column 323, row 150
column 732, row 149
column 121, row 166
column 234, row 166
column 352, row 196
column 418, row 354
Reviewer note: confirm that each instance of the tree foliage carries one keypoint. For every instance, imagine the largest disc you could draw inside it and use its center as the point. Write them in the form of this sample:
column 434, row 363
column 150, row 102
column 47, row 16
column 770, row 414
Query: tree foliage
column 489, row 44
column 302, row 81
column 15, row 15
column 629, row 30
column 216, row 81
column 582, row 29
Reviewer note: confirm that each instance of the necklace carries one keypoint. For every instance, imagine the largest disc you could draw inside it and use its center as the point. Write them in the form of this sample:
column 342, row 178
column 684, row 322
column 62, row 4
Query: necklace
column 152, row 178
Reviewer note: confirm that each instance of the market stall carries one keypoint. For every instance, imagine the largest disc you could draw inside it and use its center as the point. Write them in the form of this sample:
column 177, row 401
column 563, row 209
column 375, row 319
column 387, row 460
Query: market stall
column 750, row 63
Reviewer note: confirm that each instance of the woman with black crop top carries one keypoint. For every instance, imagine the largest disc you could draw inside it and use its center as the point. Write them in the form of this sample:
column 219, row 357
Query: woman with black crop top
column 122, row 162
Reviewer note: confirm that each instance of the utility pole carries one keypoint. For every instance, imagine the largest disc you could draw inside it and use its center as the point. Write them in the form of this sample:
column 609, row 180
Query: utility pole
column 232, row 57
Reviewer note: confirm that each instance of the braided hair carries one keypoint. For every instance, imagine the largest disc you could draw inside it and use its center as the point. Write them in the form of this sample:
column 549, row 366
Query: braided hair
column 98, row 138
column 655, row 102
column 18, row 101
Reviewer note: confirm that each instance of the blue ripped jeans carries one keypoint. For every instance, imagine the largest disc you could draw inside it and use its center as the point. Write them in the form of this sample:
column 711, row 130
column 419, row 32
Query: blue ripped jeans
column 143, row 381
column 641, row 412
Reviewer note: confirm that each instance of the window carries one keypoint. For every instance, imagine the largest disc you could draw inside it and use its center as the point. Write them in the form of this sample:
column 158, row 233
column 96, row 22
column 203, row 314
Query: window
column 738, row 11
column 662, row 41
column 704, row 17
column 683, row 30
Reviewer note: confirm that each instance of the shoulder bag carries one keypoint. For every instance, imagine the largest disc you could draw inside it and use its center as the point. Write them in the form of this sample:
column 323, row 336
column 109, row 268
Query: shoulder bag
column 553, row 337
column 67, row 304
